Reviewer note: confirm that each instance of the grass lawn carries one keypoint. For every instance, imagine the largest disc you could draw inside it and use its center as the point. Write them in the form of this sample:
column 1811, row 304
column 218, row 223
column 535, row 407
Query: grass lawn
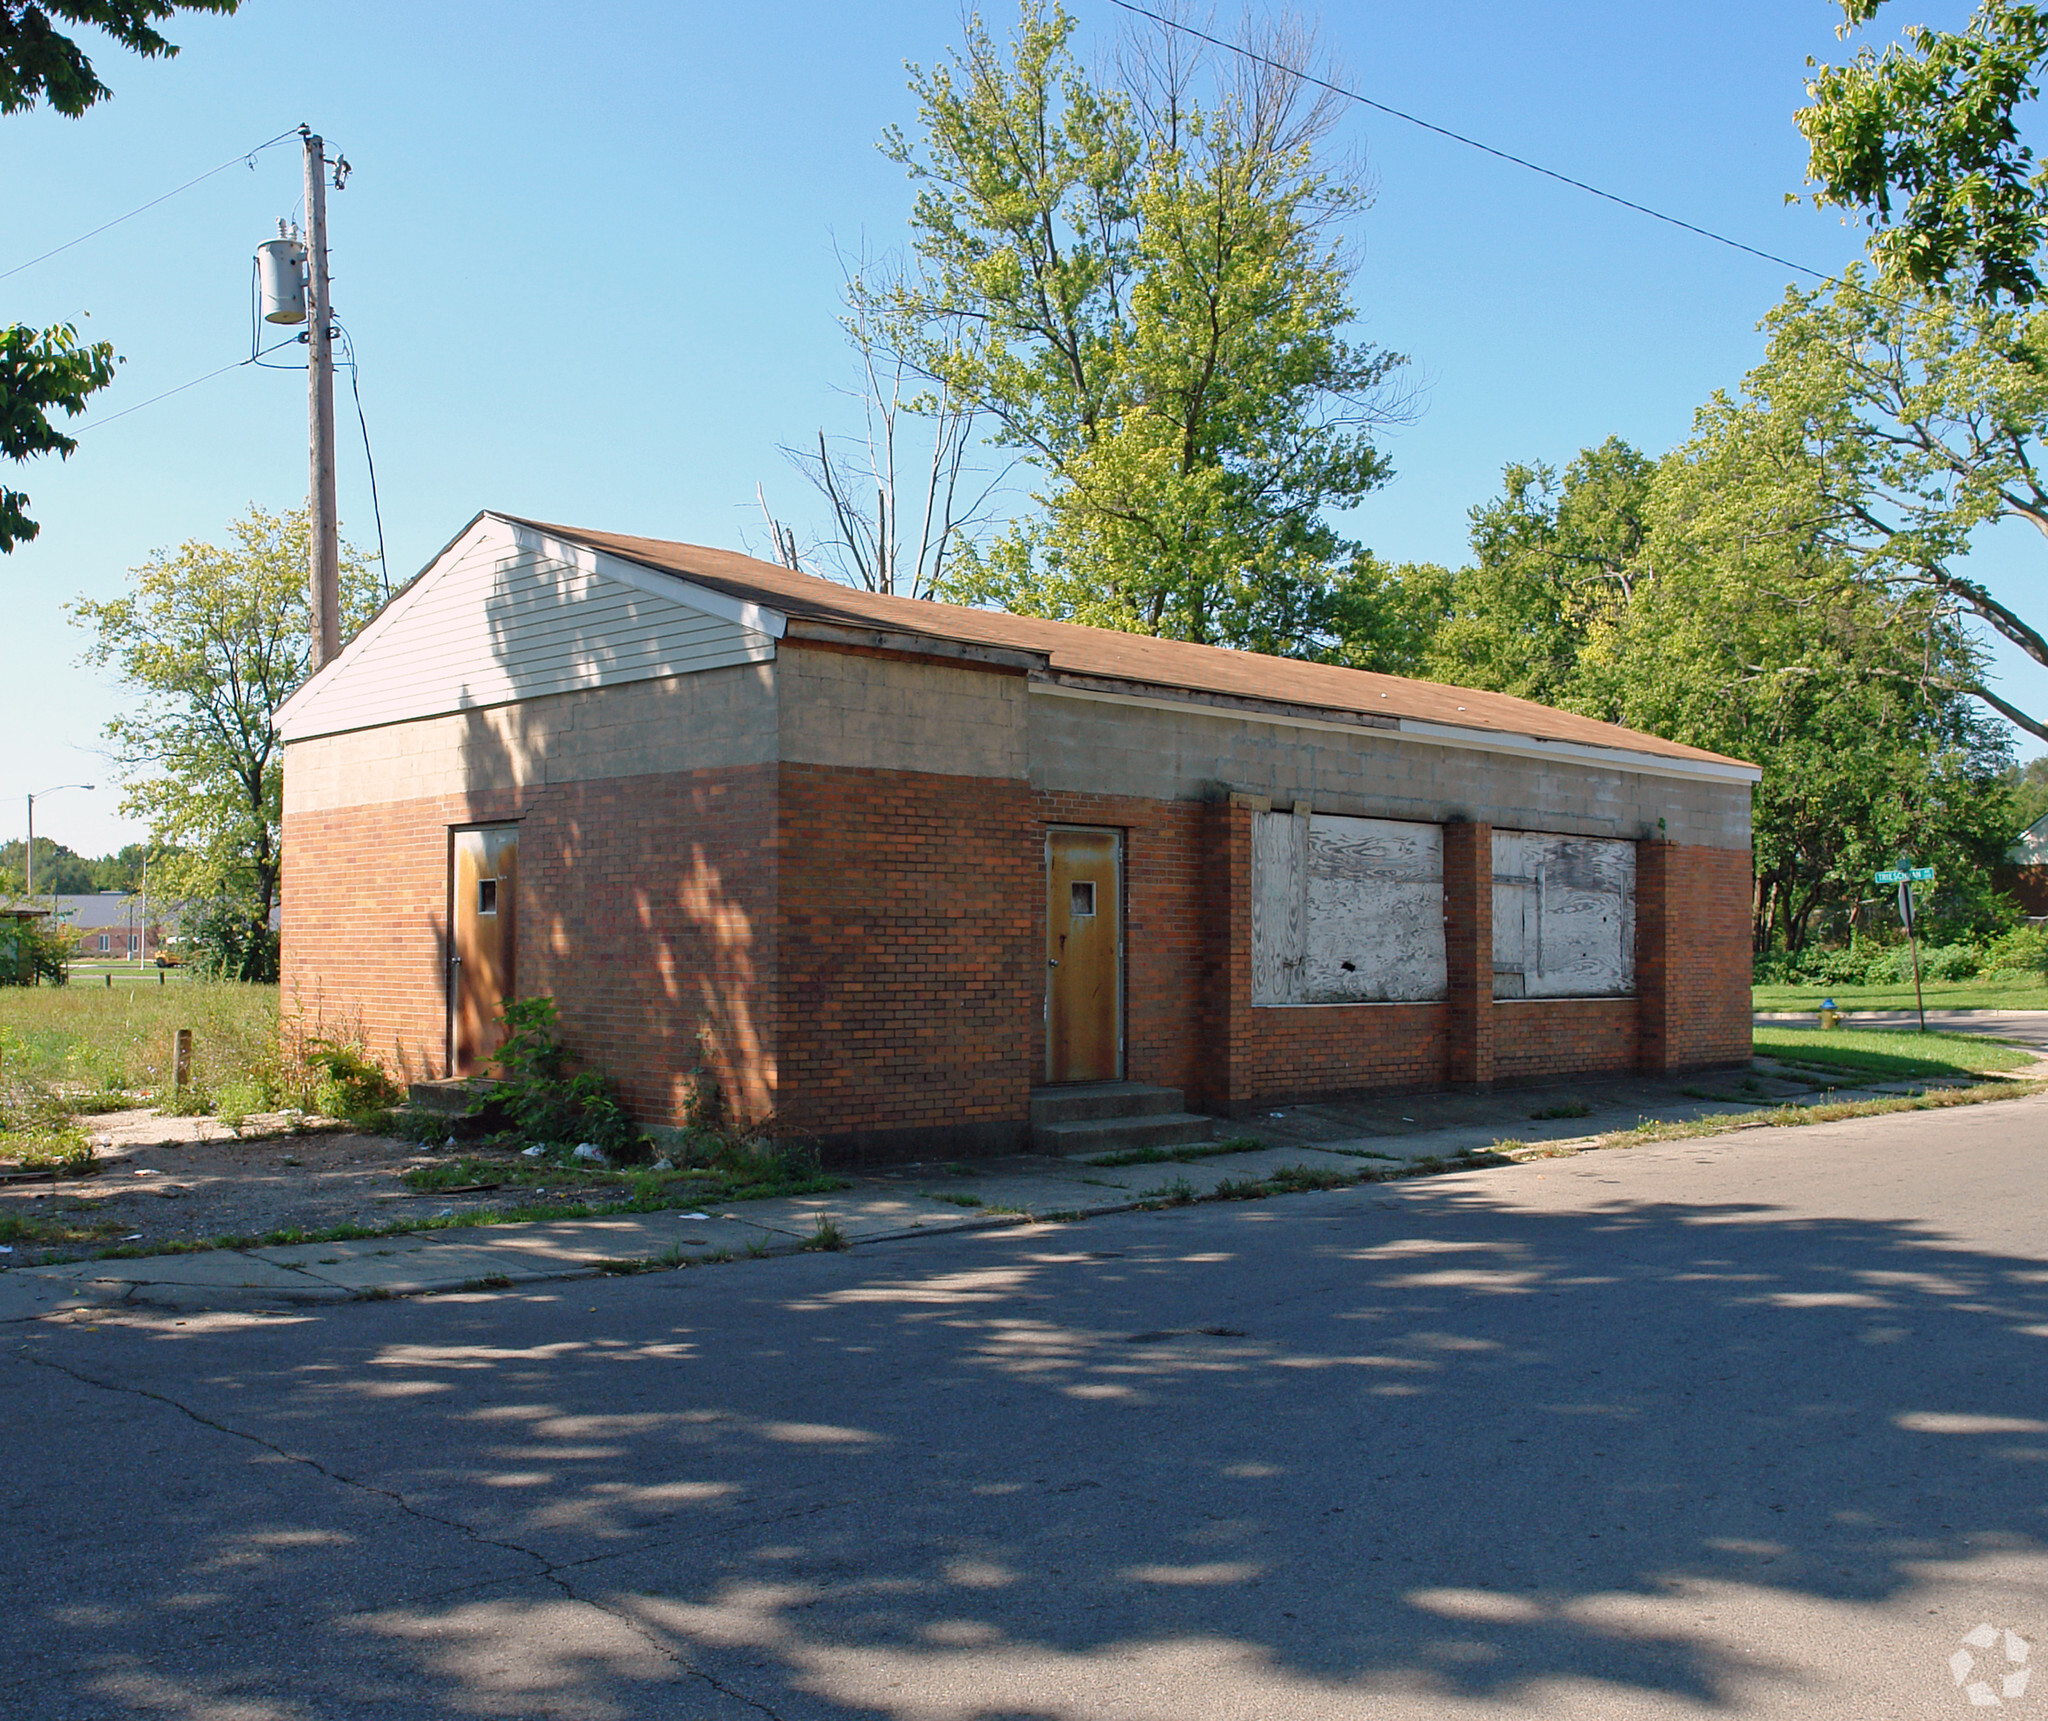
column 99, row 970
column 102, row 1047
column 1890, row 1052
column 1946, row 995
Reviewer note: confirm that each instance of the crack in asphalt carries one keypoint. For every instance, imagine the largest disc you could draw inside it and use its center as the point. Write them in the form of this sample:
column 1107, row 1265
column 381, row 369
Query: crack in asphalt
column 550, row 1570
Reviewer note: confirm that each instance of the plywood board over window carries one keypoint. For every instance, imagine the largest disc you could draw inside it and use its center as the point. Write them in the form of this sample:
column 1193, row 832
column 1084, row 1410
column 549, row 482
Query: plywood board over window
column 1564, row 916
column 1346, row 911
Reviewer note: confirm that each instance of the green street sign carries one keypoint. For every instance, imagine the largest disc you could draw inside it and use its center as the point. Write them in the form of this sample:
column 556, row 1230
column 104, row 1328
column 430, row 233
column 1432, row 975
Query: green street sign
column 1916, row 875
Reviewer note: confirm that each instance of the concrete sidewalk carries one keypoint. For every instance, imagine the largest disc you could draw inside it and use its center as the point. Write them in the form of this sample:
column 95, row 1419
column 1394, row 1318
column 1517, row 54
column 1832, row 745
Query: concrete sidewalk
column 1349, row 1140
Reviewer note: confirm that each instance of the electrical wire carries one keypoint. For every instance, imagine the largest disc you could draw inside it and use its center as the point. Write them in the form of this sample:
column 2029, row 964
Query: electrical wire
column 183, row 386
column 1471, row 142
column 370, row 460
column 248, row 155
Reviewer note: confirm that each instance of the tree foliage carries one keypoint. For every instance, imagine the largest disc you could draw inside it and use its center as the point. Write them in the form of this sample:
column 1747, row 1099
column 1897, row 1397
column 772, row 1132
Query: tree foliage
column 1144, row 294
column 1923, row 140
column 212, row 641
column 50, row 370
column 1697, row 598
column 1888, row 430
column 39, row 62
column 41, row 372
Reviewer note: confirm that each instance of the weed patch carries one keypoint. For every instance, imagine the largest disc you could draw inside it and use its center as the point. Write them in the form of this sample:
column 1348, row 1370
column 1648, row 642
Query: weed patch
column 1189, row 1153
column 1563, row 1109
column 826, row 1236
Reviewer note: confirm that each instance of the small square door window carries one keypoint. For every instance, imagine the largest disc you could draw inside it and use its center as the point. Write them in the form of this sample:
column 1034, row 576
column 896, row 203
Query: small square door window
column 487, row 896
column 1084, row 900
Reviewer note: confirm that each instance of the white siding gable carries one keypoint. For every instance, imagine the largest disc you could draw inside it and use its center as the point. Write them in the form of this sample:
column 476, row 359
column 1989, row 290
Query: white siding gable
column 507, row 613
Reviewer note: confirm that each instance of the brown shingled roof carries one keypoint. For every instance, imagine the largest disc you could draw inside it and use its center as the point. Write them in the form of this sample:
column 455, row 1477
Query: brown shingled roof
column 1072, row 649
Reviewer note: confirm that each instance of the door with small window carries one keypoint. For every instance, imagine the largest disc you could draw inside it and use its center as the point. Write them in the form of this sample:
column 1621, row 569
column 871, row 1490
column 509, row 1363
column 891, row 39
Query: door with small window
column 1084, row 956
column 482, row 959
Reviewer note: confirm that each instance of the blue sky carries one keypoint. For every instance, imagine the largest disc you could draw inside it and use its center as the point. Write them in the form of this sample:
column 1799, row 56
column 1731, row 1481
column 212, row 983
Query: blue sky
column 588, row 260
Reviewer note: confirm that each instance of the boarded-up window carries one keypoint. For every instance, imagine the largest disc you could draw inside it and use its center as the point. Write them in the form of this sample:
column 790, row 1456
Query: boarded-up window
column 1346, row 911
column 1564, row 916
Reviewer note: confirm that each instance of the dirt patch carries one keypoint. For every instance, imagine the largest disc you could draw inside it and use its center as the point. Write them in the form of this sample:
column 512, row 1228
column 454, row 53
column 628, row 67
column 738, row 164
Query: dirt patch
column 159, row 1181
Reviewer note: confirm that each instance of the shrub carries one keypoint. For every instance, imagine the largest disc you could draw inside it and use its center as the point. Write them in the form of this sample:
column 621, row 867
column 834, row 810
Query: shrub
column 349, row 1085
column 232, row 940
column 2022, row 951
column 33, row 951
column 537, row 1097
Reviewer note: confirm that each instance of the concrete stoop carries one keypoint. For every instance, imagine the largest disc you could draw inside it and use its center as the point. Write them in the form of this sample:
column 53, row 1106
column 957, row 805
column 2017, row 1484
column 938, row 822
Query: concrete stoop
column 451, row 1098
column 1111, row 1117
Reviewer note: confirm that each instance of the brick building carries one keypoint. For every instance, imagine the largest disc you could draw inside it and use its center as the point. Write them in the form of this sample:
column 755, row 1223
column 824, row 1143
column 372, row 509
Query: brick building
column 887, row 867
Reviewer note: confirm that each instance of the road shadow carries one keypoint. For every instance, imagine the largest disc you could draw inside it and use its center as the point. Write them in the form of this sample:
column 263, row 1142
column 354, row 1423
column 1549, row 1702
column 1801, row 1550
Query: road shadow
column 1326, row 1454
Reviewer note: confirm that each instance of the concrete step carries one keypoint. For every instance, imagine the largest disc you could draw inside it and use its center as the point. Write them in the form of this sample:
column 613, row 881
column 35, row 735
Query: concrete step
column 1101, row 1099
column 446, row 1098
column 1082, row 1138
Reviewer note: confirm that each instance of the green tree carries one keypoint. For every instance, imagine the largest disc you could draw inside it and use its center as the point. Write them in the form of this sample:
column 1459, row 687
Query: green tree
column 1923, row 139
column 39, row 62
column 41, row 372
column 1145, row 295
column 1851, row 704
column 48, row 370
column 1890, row 429
column 213, row 641
column 1701, row 599
column 1551, row 557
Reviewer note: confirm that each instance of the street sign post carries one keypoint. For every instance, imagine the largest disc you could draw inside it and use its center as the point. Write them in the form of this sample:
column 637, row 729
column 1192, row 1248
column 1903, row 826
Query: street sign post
column 1906, row 878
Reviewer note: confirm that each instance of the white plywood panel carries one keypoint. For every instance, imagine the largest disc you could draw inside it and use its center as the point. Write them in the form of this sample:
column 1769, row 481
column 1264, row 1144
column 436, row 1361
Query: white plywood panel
column 1564, row 911
column 497, row 621
column 1346, row 911
column 1375, row 912
column 1279, row 897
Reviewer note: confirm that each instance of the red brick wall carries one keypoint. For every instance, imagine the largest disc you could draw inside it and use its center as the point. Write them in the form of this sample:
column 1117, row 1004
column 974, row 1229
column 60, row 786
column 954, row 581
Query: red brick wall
column 864, row 951
column 1692, row 956
column 909, row 983
column 1536, row 1037
column 646, row 909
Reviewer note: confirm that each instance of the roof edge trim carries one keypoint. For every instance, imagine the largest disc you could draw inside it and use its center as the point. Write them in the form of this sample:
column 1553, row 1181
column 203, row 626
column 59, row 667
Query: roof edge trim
column 1536, row 746
column 1414, row 729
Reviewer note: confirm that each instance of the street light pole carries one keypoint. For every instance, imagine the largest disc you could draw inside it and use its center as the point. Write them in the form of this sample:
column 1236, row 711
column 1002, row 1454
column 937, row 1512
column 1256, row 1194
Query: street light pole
column 29, row 862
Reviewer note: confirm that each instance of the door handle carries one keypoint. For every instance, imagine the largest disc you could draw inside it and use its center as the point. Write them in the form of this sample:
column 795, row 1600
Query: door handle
column 1052, row 962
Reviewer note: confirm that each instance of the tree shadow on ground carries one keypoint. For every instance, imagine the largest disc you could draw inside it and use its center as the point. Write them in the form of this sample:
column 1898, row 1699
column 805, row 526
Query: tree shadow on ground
column 1324, row 1453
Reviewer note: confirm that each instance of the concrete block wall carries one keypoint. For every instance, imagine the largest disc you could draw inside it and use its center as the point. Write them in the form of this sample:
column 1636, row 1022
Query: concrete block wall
column 876, row 710
column 1089, row 746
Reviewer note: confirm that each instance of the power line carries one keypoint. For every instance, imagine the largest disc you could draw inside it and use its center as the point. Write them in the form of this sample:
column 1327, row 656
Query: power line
column 248, row 155
column 182, row 387
column 1471, row 142
column 355, row 385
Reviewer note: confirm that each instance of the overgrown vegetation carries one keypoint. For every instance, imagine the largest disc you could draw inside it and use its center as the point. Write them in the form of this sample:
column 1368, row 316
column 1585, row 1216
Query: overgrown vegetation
column 538, row 1098
column 33, row 953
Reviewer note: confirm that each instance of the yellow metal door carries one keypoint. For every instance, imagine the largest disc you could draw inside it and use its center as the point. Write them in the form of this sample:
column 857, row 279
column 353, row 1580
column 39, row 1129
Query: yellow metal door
column 482, row 967
column 1084, row 956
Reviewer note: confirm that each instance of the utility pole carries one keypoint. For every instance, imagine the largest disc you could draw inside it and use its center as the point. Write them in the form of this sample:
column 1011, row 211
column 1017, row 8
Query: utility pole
column 323, row 581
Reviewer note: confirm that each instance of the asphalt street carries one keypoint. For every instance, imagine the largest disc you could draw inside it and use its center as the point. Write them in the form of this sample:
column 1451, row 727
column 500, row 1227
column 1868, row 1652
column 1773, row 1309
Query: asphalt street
column 1744, row 1426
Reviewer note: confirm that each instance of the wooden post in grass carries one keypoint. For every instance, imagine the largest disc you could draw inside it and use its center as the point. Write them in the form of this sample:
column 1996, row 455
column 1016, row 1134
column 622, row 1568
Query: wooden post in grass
column 181, row 1060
